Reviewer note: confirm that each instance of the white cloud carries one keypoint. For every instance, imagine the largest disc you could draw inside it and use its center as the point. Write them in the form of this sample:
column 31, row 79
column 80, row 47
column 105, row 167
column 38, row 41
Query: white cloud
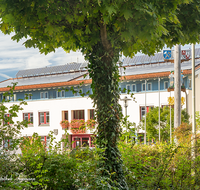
column 5, row 76
column 37, row 62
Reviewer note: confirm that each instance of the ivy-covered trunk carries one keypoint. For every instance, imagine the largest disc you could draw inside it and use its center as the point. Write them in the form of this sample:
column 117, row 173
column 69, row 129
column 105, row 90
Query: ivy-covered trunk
column 104, row 72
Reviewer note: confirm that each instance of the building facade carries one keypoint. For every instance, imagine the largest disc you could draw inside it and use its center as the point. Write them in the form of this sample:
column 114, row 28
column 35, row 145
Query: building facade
column 54, row 94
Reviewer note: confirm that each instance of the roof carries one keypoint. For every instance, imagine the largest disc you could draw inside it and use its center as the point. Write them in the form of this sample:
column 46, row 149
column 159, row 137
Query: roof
column 132, row 72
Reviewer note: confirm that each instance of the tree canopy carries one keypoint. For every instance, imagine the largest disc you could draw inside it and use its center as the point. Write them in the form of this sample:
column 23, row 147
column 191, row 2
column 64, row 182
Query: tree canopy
column 128, row 25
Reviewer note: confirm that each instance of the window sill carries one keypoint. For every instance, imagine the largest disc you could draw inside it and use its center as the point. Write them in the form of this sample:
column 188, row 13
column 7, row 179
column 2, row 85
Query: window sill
column 41, row 125
column 30, row 125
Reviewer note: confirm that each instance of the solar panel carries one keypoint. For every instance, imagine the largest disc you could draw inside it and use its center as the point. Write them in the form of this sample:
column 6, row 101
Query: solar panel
column 49, row 70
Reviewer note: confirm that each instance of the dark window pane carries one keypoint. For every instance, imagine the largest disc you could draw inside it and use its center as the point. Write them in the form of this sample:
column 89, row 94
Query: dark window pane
column 85, row 142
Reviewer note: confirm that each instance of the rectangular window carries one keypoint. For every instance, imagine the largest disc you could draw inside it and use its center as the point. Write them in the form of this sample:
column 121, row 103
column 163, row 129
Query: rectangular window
column 142, row 110
column 43, row 118
column 128, row 89
column 166, row 85
column 13, row 97
column 28, row 117
column 78, row 114
column 46, row 141
column 133, row 88
column 61, row 94
column 190, row 83
column 91, row 114
column 7, row 143
column 149, row 86
column 28, row 96
column 6, row 119
column 43, row 95
column 77, row 92
column 65, row 115
column 143, row 87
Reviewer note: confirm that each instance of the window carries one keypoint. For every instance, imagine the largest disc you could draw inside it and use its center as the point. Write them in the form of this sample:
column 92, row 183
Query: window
column 143, row 87
column 82, row 141
column 128, row 89
column 28, row 96
column 13, row 98
column 7, row 143
column 142, row 110
column 91, row 114
column 77, row 92
column 78, row 114
column 190, row 83
column 43, row 95
column 28, row 117
column 166, row 85
column 64, row 115
column 7, row 119
column 149, row 86
column 43, row 118
column 61, row 93
column 46, row 141
column 9, row 97
column 133, row 88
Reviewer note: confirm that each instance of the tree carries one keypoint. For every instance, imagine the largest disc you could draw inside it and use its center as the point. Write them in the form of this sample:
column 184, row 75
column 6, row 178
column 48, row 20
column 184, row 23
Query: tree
column 152, row 122
column 102, row 30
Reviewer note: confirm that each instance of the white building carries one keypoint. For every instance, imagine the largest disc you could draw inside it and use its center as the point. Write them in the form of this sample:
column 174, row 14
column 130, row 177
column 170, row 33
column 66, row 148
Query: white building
column 49, row 104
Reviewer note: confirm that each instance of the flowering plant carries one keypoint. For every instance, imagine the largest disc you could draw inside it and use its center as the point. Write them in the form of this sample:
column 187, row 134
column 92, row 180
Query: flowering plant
column 78, row 126
column 91, row 123
column 64, row 124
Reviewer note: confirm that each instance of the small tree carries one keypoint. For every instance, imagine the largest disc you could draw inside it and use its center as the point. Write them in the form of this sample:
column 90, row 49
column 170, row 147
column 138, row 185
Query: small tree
column 152, row 122
column 9, row 137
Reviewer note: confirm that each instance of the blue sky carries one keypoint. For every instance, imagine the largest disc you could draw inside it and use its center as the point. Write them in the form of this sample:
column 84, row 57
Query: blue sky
column 14, row 57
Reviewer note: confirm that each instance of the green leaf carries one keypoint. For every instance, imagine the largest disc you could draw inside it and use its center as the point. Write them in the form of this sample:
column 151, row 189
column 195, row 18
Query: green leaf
column 128, row 14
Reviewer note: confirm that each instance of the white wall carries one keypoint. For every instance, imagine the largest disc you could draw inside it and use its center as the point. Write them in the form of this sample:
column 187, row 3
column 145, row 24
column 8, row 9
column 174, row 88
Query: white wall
column 56, row 106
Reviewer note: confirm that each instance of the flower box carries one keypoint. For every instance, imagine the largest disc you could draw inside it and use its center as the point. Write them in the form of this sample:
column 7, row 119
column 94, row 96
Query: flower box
column 78, row 126
column 91, row 123
column 64, row 124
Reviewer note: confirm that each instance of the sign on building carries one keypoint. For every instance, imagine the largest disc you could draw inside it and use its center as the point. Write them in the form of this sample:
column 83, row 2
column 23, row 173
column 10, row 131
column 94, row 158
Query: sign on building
column 185, row 54
column 167, row 54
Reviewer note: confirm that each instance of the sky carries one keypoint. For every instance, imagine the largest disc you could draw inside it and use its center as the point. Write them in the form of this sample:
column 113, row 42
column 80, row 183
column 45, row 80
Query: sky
column 15, row 56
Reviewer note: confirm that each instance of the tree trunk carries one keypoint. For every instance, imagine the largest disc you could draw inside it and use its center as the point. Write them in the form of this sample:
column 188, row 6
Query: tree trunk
column 105, row 84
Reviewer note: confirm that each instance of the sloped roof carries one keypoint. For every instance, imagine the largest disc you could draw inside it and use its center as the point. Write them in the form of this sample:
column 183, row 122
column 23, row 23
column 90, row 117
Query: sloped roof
column 75, row 78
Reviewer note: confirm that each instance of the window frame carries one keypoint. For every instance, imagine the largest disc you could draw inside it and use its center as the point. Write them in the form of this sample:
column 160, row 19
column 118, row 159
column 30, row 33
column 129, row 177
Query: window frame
column 61, row 94
column 128, row 85
column 166, row 82
column 147, row 107
column 91, row 114
column 28, row 96
column 189, row 83
column 44, row 95
column 29, row 117
column 6, row 115
column 8, row 143
column 149, row 83
column 77, row 92
column 132, row 88
column 143, row 90
column 64, row 114
column 77, row 114
column 46, row 117
column 47, row 143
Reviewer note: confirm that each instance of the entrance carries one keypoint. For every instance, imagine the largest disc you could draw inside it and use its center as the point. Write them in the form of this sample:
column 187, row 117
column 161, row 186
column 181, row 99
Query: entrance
column 81, row 141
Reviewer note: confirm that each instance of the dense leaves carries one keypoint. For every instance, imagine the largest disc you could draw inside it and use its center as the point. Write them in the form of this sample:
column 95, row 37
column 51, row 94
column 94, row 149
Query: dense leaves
column 152, row 122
